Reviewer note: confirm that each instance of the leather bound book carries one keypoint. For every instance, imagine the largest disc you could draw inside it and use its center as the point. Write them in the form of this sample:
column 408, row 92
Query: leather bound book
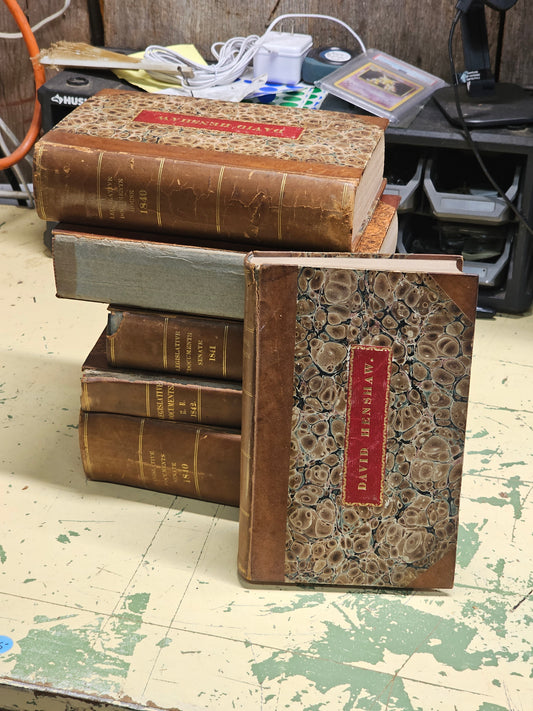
column 178, row 458
column 174, row 343
column 158, row 395
column 355, row 389
column 257, row 174
column 166, row 273
column 124, row 267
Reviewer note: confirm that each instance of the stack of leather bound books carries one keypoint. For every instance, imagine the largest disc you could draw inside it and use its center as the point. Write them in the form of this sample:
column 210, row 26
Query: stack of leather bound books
column 157, row 201
column 244, row 252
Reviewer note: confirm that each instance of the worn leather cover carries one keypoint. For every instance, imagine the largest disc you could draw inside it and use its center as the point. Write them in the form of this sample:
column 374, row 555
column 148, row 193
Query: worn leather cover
column 303, row 399
column 294, row 177
column 158, row 395
column 177, row 458
column 174, row 343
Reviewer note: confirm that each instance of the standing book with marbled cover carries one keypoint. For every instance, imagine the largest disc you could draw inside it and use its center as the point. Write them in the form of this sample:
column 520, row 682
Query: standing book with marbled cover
column 355, row 381
column 261, row 175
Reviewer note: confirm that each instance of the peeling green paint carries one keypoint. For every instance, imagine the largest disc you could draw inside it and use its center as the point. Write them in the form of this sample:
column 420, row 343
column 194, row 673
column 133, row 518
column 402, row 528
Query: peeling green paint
column 165, row 642
column 513, row 498
column 367, row 628
column 96, row 655
column 137, row 603
column 3, row 555
column 468, row 542
column 305, row 602
column 63, row 539
column 366, row 689
column 477, row 435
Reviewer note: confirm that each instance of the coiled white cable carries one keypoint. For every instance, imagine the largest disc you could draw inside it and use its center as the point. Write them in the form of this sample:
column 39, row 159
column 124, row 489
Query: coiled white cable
column 232, row 56
column 232, row 59
column 42, row 23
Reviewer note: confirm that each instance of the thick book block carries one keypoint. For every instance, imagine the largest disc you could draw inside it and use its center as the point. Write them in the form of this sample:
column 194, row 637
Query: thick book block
column 158, row 395
column 93, row 265
column 355, row 389
column 174, row 343
column 267, row 175
column 177, row 458
column 158, row 272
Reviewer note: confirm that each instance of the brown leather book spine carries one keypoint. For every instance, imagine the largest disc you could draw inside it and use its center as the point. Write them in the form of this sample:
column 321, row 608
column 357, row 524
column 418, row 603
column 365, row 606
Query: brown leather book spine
column 171, row 457
column 198, row 193
column 197, row 402
column 175, row 343
column 266, row 441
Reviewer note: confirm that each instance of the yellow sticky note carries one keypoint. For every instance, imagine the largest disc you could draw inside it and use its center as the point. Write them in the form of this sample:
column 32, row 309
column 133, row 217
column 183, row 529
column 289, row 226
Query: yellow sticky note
column 144, row 80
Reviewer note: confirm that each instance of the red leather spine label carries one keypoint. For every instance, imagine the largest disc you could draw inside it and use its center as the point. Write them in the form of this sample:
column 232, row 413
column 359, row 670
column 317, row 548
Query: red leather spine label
column 366, row 425
column 215, row 124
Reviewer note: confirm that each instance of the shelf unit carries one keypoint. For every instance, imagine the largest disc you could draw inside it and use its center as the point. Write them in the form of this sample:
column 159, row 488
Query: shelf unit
column 506, row 281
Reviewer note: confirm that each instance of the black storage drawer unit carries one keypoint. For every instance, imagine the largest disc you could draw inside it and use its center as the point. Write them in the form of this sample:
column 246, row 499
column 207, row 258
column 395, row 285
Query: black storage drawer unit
column 448, row 206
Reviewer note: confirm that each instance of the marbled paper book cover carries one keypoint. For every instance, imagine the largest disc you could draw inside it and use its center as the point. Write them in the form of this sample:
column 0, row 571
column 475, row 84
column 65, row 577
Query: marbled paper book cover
column 356, row 379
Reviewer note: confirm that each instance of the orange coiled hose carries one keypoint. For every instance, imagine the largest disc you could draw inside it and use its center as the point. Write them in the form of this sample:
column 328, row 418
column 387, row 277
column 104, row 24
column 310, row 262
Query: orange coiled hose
column 39, row 76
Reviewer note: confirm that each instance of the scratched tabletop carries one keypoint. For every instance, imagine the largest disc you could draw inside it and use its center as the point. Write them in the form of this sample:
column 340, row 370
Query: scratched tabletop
column 117, row 598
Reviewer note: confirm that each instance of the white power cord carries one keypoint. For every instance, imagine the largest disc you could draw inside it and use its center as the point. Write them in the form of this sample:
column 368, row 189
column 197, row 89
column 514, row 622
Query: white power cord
column 232, row 56
column 232, row 59
column 46, row 20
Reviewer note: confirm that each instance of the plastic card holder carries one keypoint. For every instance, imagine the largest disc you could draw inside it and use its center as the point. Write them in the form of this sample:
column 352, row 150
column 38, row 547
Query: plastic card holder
column 383, row 85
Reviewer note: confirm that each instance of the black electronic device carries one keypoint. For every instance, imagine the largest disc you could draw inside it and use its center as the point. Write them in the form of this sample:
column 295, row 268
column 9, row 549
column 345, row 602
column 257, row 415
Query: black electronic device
column 67, row 89
column 484, row 100
column 62, row 93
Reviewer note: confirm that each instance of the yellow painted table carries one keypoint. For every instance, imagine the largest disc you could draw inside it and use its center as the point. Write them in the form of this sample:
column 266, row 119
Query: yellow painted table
column 113, row 597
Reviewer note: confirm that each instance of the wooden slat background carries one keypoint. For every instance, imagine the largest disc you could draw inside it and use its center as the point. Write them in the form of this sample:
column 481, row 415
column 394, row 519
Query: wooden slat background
column 414, row 31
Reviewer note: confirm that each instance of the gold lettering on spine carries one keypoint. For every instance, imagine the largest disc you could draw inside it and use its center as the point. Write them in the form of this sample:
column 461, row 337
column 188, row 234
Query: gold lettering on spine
column 147, row 398
column 225, row 350
column 38, row 176
column 165, row 350
column 345, row 195
column 85, row 402
column 111, row 342
column 158, row 201
column 98, row 185
column 140, row 451
column 219, row 191
column 280, row 205
column 170, row 402
column 85, row 430
column 195, row 462
column 199, row 403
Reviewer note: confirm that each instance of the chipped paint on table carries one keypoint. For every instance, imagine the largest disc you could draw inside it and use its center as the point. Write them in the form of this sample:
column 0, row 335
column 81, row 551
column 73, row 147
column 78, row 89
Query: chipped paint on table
column 113, row 597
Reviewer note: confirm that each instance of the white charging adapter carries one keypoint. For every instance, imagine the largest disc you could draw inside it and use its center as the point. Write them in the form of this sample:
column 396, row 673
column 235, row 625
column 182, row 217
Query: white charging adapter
column 280, row 56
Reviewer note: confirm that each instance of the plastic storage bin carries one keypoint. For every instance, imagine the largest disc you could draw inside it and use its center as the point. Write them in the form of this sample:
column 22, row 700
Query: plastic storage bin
column 404, row 170
column 457, row 190
column 486, row 249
